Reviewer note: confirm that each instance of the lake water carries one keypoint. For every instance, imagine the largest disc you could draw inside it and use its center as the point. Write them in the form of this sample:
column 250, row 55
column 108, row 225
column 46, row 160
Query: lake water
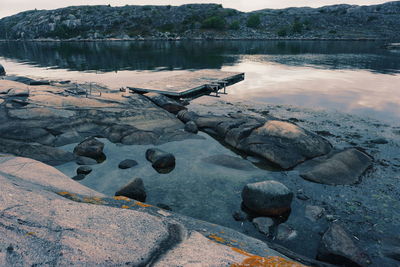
column 350, row 76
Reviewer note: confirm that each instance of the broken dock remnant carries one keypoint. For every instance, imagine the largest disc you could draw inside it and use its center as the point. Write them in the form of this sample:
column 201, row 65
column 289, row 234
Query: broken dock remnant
column 190, row 84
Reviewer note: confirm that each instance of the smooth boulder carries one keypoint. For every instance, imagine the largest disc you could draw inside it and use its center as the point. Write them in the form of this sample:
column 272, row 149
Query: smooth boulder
column 191, row 127
column 85, row 161
column 2, row 71
column 126, row 164
column 339, row 168
column 160, row 159
column 91, row 148
column 269, row 198
column 134, row 190
column 85, row 170
column 337, row 247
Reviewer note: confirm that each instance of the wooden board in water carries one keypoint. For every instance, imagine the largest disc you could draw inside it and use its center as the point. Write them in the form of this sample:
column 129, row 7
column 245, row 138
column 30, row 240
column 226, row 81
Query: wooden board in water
column 189, row 83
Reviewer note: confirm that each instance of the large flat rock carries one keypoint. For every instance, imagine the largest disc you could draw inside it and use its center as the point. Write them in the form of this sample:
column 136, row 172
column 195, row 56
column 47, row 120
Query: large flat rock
column 49, row 219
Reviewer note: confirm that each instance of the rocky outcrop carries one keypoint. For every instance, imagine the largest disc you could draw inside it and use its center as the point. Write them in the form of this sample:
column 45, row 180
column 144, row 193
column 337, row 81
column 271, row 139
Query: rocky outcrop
column 48, row 218
column 165, row 102
column 206, row 21
column 282, row 143
column 338, row 168
column 269, row 198
column 34, row 122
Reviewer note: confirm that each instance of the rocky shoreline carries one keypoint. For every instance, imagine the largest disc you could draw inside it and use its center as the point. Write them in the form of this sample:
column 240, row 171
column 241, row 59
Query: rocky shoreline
column 41, row 121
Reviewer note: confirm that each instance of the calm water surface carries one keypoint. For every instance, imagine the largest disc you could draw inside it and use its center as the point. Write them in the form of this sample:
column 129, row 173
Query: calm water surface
column 355, row 77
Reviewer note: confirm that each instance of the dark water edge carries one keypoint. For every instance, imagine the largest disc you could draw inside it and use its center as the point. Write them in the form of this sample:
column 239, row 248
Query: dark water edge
column 155, row 55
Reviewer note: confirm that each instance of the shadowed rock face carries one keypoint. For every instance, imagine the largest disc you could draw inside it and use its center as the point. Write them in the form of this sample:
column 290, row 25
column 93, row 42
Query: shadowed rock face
column 2, row 71
column 47, row 218
column 282, row 143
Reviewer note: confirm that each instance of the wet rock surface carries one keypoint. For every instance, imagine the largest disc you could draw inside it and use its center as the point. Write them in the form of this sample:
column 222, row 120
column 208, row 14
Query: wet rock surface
column 53, row 116
column 134, row 190
column 269, row 198
column 338, row 247
column 338, row 168
column 230, row 162
column 85, row 170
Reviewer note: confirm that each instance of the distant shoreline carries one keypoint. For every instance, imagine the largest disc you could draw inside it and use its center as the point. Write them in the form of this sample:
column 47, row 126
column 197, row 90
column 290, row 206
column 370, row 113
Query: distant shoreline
column 195, row 39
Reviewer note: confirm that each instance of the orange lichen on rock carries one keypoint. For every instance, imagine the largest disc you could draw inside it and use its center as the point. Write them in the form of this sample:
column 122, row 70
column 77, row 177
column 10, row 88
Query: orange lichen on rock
column 64, row 193
column 143, row 204
column 217, row 238
column 93, row 200
column 258, row 261
column 125, row 207
column 122, row 198
column 30, row 233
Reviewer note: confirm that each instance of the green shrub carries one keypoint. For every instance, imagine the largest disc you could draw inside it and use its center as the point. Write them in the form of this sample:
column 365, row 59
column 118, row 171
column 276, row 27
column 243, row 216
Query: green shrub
column 235, row 25
column 297, row 26
column 214, row 22
column 169, row 27
column 253, row 21
column 332, row 31
column 282, row 32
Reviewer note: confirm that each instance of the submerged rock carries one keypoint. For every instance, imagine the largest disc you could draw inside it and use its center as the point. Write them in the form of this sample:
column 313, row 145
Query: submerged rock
column 165, row 102
column 230, row 162
column 269, row 198
column 285, row 232
column 314, row 213
column 338, row 247
column 263, row 224
column 128, row 163
column 191, row 127
column 85, row 161
column 134, row 190
column 91, row 148
column 160, row 159
column 79, row 177
column 338, row 168
column 85, row 170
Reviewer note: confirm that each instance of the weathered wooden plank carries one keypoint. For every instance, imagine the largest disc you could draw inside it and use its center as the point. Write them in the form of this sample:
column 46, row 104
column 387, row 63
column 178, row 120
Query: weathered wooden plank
column 189, row 83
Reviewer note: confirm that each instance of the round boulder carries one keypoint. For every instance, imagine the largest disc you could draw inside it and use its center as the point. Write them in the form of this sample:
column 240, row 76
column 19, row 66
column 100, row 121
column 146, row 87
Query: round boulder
column 160, row 159
column 134, row 190
column 85, row 161
column 191, row 127
column 2, row 71
column 91, row 148
column 85, row 170
column 128, row 163
column 269, row 198
column 79, row 177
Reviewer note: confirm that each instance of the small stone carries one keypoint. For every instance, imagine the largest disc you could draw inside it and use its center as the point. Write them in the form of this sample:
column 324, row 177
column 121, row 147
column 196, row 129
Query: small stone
column 128, row 163
column 134, row 190
column 269, row 198
column 330, row 217
column 239, row 216
column 85, row 170
column 263, row 224
column 191, row 127
column 79, row 177
column 85, row 161
column 314, row 213
column 379, row 141
column 162, row 161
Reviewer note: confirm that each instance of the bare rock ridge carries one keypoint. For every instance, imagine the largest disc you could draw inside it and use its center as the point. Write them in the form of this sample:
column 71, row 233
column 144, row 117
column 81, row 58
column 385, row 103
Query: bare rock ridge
column 61, row 222
column 204, row 21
